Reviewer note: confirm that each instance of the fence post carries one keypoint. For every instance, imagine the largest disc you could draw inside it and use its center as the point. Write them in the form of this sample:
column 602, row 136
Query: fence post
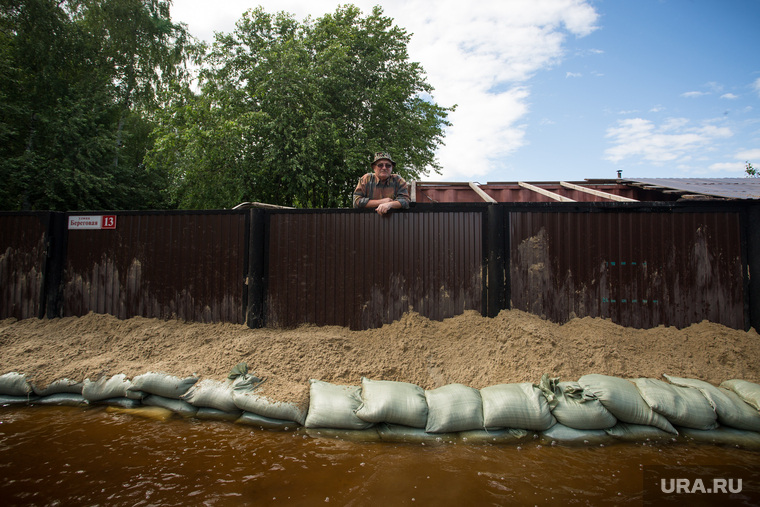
column 497, row 291
column 752, row 276
column 56, row 239
column 256, row 276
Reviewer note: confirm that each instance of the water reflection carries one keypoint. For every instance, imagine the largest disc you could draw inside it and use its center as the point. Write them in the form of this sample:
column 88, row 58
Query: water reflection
column 64, row 456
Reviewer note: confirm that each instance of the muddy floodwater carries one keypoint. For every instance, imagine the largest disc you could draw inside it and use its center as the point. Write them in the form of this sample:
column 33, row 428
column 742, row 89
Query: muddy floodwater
column 72, row 456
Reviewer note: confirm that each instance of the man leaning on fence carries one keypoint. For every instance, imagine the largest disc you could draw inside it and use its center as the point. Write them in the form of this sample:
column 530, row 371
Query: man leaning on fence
column 381, row 189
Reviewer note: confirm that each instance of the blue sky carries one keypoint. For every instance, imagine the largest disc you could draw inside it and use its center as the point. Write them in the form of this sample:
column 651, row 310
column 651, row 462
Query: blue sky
column 550, row 90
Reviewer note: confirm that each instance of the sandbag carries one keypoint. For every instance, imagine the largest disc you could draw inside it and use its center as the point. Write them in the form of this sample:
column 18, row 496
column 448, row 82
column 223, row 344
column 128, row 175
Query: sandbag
column 407, row 434
column 504, row 436
column 157, row 413
column 562, row 434
column 59, row 386
column 105, row 388
column 454, row 407
column 62, row 399
column 121, row 402
column 520, row 406
column 180, row 407
column 161, row 384
column 334, row 406
column 265, row 423
column 725, row 436
column 209, row 393
column 393, row 402
column 747, row 391
column 214, row 414
column 682, row 406
column 731, row 409
column 249, row 401
column 364, row 435
column 6, row 399
column 575, row 408
column 638, row 433
column 15, row 384
column 622, row 399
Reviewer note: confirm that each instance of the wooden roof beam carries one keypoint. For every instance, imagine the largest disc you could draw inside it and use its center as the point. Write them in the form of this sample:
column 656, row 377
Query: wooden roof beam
column 481, row 192
column 545, row 192
column 597, row 193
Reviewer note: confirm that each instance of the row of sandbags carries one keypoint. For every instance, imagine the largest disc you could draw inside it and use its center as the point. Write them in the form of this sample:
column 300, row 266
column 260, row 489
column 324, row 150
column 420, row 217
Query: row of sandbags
column 594, row 407
column 233, row 399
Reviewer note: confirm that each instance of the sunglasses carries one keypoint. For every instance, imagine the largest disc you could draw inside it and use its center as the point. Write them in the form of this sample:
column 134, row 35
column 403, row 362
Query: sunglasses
column 383, row 166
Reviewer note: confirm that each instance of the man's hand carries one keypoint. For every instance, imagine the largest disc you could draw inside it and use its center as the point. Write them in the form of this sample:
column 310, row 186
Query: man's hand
column 385, row 207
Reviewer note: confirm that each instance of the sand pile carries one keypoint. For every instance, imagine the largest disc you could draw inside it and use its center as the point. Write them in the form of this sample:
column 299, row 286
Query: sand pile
column 469, row 349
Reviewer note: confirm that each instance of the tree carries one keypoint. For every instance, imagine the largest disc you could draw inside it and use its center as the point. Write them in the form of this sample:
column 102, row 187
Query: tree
column 750, row 171
column 289, row 113
column 80, row 82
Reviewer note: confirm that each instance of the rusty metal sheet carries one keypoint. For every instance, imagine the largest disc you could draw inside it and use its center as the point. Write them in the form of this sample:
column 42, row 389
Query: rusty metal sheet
column 638, row 269
column 181, row 265
column 23, row 253
column 361, row 270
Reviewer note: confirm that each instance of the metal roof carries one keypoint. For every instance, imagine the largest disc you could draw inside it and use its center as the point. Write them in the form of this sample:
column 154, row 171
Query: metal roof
column 727, row 188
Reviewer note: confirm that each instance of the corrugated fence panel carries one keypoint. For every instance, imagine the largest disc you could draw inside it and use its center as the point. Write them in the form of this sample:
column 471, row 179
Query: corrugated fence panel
column 638, row 269
column 163, row 265
column 361, row 270
column 23, row 252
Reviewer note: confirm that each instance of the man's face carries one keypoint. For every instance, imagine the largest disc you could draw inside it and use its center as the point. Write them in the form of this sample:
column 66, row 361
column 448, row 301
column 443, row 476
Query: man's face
column 382, row 168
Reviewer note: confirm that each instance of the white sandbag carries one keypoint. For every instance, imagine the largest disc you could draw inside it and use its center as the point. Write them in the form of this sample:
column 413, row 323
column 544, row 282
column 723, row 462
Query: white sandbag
column 520, row 406
column 14, row 384
column 725, row 436
column 622, row 399
column 363, row 435
column 163, row 384
column 561, row 434
column 62, row 399
column 454, row 407
column 682, row 406
column 6, row 399
column 504, row 436
column 248, row 401
column 638, row 433
column 180, row 407
column 393, row 402
column 214, row 414
column 731, row 409
column 575, row 408
column 59, row 386
column 406, row 434
column 747, row 391
column 105, row 388
column 265, row 423
column 334, row 406
column 209, row 393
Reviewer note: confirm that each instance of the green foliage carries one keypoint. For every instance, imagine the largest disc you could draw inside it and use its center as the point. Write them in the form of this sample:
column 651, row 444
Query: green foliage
column 79, row 83
column 289, row 113
column 750, row 171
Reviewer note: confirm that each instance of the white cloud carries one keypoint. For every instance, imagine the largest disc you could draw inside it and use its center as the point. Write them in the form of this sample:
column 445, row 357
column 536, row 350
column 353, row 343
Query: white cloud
column 692, row 95
column 748, row 154
column 675, row 139
column 478, row 55
column 756, row 85
column 573, row 74
column 729, row 96
column 731, row 167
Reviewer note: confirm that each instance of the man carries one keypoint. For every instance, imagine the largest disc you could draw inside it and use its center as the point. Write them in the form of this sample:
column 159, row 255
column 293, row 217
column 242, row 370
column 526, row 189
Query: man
column 381, row 189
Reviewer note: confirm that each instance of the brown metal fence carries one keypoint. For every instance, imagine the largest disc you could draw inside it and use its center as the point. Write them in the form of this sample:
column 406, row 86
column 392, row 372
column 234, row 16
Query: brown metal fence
column 23, row 255
column 640, row 264
column 362, row 270
column 638, row 269
column 189, row 266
